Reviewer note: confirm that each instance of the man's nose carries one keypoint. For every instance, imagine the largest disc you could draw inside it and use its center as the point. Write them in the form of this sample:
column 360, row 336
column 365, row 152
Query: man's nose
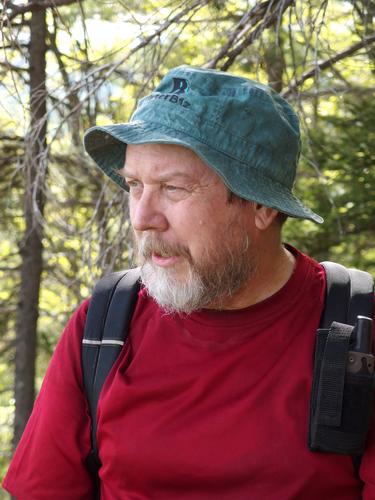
column 147, row 214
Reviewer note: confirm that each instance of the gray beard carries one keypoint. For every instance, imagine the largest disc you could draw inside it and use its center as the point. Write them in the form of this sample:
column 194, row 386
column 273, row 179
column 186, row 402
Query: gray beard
column 207, row 284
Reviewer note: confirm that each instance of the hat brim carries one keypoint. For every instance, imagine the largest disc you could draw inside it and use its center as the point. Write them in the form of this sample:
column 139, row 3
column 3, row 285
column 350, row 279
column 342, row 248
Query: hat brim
column 107, row 146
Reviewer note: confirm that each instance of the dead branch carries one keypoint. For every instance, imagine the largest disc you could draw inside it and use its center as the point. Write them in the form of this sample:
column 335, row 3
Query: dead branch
column 269, row 20
column 249, row 19
column 12, row 67
column 268, row 12
column 10, row 10
column 327, row 64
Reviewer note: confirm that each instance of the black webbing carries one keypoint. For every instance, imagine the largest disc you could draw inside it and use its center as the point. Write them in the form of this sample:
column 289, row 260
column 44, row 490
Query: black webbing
column 332, row 375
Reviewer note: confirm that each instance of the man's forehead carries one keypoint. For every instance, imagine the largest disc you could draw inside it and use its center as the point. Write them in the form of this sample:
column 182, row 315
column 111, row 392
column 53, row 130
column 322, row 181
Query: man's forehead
column 165, row 160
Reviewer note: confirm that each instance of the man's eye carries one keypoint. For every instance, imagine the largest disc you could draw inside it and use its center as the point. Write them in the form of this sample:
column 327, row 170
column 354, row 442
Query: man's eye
column 132, row 184
column 173, row 189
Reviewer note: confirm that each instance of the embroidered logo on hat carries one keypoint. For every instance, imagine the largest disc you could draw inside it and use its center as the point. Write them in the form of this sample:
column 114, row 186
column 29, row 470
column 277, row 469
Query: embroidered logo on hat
column 180, row 86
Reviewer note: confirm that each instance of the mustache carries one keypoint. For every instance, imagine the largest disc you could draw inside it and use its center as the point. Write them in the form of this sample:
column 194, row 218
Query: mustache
column 148, row 244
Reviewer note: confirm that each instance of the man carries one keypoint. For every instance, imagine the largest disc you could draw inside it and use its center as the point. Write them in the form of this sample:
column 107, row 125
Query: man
column 209, row 399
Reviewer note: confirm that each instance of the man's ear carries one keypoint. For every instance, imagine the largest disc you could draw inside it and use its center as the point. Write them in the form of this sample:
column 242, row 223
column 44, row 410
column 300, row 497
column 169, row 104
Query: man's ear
column 264, row 216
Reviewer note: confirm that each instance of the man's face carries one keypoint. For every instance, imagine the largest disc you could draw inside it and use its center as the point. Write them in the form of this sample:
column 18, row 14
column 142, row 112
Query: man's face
column 193, row 245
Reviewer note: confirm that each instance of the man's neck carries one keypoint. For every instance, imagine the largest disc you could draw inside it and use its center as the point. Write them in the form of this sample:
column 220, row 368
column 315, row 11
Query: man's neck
column 274, row 268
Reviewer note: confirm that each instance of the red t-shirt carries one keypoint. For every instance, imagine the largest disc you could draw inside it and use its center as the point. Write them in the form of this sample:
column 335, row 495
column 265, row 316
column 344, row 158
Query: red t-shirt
column 208, row 406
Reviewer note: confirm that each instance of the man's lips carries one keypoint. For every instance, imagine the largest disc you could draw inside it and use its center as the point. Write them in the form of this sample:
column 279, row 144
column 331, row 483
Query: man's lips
column 164, row 261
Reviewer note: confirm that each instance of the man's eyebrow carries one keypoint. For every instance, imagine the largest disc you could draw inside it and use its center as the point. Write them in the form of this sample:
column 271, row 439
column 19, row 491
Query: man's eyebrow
column 174, row 175
column 162, row 178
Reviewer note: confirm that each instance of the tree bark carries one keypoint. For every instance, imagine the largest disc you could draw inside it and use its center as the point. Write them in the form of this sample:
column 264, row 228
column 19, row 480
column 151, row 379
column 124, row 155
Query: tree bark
column 274, row 59
column 31, row 247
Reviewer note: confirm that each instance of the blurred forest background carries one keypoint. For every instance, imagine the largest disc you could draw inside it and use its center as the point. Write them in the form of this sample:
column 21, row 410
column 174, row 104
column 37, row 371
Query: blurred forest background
column 68, row 64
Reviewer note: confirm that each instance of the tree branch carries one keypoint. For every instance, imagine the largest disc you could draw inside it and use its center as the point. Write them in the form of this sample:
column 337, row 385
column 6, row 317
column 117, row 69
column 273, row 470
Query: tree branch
column 267, row 12
column 11, row 11
column 12, row 67
column 250, row 18
column 327, row 64
column 10, row 47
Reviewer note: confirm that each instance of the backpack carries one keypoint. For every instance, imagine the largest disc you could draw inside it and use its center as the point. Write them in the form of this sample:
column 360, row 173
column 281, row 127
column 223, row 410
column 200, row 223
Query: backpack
column 342, row 389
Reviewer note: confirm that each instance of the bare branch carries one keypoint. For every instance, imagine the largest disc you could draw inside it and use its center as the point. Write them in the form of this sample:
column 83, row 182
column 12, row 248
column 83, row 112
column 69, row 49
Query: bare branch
column 15, row 10
column 339, row 90
column 249, row 19
column 328, row 63
column 12, row 67
column 8, row 47
column 268, row 12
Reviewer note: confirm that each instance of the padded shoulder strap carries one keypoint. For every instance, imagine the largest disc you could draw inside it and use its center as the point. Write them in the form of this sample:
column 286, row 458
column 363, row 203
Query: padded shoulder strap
column 106, row 331
column 350, row 293
column 362, row 295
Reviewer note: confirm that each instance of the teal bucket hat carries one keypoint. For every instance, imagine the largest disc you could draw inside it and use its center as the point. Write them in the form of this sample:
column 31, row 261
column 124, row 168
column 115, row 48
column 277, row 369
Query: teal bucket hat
column 247, row 133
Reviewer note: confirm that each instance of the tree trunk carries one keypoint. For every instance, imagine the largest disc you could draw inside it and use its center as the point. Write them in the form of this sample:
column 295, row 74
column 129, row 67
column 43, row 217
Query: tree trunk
column 31, row 246
column 274, row 59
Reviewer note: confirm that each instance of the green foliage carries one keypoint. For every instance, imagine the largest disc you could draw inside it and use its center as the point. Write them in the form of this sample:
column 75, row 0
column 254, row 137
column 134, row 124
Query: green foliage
column 341, row 147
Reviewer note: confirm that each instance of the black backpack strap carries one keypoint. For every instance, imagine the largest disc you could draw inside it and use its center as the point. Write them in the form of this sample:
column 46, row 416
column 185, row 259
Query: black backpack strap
column 349, row 293
column 106, row 330
column 337, row 294
column 341, row 404
column 361, row 296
